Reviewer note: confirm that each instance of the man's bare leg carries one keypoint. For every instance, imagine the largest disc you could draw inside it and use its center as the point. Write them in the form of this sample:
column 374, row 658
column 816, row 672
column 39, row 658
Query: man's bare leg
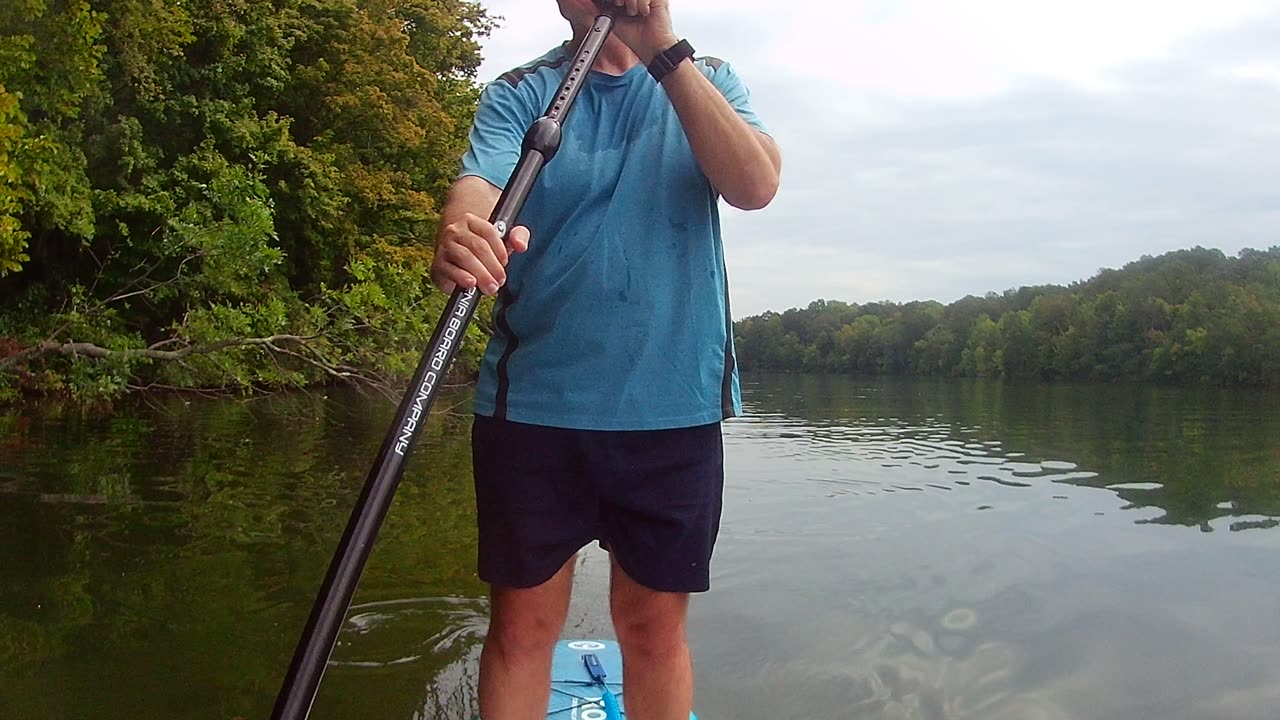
column 657, row 670
column 515, row 664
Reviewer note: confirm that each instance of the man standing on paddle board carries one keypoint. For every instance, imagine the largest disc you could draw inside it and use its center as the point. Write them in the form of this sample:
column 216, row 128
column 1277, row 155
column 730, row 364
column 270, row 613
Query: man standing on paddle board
column 611, row 365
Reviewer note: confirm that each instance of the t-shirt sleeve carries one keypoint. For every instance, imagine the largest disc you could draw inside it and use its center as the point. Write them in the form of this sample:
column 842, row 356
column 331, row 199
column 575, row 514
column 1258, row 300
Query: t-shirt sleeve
column 730, row 84
column 496, row 134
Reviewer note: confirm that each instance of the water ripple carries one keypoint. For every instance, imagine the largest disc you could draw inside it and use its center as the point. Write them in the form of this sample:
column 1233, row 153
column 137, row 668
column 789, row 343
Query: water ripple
column 927, row 450
column 374, row 634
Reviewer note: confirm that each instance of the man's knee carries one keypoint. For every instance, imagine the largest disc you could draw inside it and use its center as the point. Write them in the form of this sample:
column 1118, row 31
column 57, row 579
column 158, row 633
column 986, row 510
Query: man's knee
column 525, row 627
column 530, row 620
column 648, row 622
column 651, row 637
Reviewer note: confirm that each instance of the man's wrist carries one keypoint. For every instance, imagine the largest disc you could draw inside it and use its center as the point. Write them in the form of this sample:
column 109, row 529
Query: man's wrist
column 660, row 46
column 668, row 61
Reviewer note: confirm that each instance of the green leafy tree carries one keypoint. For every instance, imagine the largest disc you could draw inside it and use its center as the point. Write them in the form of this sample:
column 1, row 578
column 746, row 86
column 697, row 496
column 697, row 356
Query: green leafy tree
column 13, row 239
column 1018, row 345
column 982, row 356
column 226, row 195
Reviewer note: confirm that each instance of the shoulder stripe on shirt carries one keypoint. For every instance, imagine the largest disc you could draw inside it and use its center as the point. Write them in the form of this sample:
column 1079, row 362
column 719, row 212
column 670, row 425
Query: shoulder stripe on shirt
column 513, row 77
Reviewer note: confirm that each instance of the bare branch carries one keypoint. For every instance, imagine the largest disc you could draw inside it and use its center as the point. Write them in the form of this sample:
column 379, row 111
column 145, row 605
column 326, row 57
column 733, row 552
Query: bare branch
column 202, row 392
column 297, row 347
column 340, row 372
column 122, row 295
column 51, row 347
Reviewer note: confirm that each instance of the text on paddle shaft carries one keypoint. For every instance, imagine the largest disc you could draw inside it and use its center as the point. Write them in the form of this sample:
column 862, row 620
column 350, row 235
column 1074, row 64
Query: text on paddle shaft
column 439, row 359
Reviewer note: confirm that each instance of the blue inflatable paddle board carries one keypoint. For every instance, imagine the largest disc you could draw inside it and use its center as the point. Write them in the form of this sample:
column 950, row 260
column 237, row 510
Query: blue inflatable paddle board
column 575, row 694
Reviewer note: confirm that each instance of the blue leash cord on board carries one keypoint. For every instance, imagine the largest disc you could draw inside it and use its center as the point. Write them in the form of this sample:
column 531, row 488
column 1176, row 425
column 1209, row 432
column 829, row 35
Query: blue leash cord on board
column 596, row 671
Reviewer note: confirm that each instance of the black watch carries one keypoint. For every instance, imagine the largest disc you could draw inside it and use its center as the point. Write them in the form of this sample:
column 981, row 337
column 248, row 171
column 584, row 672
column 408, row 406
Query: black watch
column 667, row 60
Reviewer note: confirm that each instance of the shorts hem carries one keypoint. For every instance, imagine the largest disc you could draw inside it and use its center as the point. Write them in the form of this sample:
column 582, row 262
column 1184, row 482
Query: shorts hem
column 644, row 580
column 510, row 580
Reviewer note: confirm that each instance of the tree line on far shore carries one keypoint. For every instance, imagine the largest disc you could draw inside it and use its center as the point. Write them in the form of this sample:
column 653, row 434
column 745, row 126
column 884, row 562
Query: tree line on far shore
column 1188, row 316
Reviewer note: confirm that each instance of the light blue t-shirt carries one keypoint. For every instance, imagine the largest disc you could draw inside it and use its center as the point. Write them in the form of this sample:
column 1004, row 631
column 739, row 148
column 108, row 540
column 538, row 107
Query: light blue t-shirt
column 617, row 316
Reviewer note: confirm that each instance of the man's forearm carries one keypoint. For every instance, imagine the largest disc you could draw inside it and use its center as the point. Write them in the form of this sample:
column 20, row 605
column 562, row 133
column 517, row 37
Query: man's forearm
column 742, row 163
column 469, row 194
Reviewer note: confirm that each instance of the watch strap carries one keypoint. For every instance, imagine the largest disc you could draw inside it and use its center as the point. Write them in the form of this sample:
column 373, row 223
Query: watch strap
column 667, row 60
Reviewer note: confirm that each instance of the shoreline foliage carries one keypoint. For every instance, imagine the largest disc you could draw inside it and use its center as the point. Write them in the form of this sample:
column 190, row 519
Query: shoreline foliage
column 1188, row 316
column 232, row 196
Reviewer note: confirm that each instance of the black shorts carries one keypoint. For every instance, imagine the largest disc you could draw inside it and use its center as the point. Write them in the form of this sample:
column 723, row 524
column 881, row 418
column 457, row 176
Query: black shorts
column 651, row 497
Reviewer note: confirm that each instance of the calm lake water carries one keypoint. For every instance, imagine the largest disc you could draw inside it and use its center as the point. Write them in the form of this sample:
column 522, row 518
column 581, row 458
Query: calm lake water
column 890, row 549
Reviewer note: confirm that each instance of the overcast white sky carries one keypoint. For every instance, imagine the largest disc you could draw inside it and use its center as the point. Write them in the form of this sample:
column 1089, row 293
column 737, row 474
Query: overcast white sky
column 934, row 149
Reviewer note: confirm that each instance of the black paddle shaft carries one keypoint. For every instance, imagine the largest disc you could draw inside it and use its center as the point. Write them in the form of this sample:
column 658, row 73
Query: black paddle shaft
column 334, row 600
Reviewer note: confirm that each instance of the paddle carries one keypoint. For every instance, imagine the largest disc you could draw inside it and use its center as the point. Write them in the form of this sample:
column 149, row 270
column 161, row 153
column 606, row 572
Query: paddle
column 334, row 600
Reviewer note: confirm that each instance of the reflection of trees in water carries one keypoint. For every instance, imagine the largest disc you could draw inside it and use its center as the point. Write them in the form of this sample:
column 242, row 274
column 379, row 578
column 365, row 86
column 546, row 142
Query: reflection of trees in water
column 452, row 692
column 188, row 541
column 415, row 657
column 1195, row 454
column 163, row 559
